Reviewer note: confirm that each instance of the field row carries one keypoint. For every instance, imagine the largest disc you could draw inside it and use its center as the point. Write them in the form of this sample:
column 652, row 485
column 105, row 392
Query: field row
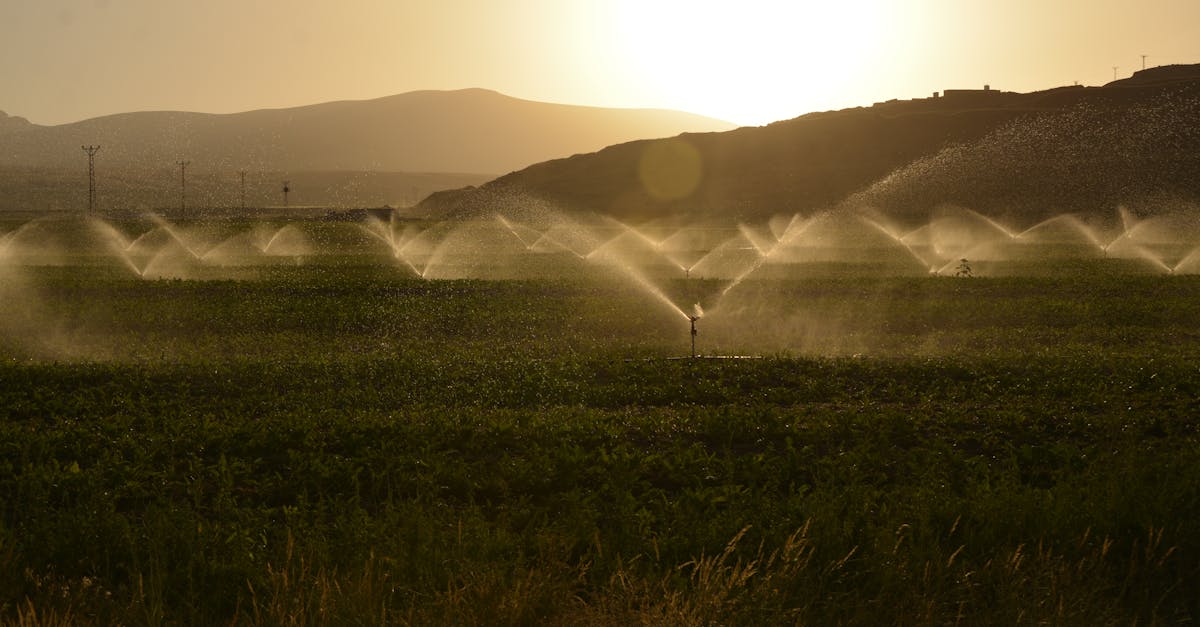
column 857, row 490
column 347, row 313
column 336, row 444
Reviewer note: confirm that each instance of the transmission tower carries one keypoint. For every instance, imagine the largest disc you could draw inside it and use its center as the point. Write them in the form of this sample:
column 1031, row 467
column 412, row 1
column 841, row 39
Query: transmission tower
column 242, row 174
column 286, row 189
column 183, row 184
column 91, row 153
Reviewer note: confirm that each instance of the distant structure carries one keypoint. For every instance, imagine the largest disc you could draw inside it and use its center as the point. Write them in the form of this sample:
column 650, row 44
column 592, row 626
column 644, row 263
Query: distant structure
column 986, row 97
column 183, row 184
column 1144, row 61
column 967, row 93
column 286, row 189
column 91, row 153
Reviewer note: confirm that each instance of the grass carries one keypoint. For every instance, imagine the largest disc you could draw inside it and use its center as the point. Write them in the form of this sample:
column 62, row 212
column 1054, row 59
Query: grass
column 336, row 445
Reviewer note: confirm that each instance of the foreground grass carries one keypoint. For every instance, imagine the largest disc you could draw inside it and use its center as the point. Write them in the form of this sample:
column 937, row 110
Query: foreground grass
column 461, row 484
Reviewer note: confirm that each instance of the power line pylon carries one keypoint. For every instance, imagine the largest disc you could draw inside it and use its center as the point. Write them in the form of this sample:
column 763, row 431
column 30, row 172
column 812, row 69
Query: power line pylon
column 91, row 153
column 242, row 175
column 183, row 184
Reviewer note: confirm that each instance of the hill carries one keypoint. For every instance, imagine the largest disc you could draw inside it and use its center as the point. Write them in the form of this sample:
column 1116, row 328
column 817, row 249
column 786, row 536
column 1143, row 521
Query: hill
column 394, row 150
column 1021, row 156
column 11, row 123
column 471, row 130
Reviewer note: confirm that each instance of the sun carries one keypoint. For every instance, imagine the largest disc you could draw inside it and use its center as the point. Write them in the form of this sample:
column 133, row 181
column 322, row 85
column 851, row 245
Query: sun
column 751, row 61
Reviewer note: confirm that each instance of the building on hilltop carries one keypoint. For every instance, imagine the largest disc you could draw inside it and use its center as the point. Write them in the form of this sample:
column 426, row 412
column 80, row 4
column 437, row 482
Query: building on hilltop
column 986, row 92
column 954, row 97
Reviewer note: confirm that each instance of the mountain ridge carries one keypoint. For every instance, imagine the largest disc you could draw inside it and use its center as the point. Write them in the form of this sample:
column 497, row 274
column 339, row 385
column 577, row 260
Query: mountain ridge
column 469, row 130
column 1030, row 155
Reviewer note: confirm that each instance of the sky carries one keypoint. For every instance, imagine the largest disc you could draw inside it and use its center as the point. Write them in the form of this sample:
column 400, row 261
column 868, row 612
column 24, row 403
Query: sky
column 745, row 61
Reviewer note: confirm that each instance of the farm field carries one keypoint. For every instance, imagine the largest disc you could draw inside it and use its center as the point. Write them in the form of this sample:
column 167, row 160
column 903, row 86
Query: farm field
column 341, row 442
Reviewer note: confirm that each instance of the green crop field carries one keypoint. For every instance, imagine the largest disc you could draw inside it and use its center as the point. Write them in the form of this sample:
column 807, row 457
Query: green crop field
column 339, row 442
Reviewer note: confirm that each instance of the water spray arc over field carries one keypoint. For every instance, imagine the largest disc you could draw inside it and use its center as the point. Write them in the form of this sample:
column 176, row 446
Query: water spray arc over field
column 679, row 269
column 794, row 229
column 646, row 254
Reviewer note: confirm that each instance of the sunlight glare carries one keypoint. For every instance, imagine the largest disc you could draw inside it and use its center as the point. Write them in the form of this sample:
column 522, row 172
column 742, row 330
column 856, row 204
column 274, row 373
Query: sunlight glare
column 753, row 61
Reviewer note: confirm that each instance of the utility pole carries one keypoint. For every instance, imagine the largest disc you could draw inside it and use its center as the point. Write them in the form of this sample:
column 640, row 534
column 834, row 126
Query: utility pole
column 1144, row 61
column 242, row 174
column 1115, row 72
column 91, row 153
column 183, row 185
column 286, row 189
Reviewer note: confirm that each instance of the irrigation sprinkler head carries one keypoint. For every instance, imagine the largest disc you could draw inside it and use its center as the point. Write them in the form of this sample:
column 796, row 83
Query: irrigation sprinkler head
column 692, row 319
column 697, row 313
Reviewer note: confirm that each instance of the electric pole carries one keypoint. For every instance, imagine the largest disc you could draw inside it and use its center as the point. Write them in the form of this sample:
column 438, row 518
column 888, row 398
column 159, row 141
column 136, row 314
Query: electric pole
column 1115, row 72
column 242, row 174
column 286, row 189
column 1144, row 61
column 91, row 153
column 183, row 185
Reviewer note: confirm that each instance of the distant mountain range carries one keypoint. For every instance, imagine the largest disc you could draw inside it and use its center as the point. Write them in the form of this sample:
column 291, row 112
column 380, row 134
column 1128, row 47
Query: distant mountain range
column 1019, row 157
column 392, row 150
column 1023, row 157
column 470, row 130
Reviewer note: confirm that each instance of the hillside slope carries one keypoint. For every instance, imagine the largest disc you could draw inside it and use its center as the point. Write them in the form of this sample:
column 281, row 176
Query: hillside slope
column 1023, row 156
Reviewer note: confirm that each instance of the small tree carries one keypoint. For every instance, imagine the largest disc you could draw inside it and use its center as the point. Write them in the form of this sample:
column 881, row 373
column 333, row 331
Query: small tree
column 963, row 269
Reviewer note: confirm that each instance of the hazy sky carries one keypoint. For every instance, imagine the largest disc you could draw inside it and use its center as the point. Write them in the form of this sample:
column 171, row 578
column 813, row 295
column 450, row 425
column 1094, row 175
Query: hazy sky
column 746, row 61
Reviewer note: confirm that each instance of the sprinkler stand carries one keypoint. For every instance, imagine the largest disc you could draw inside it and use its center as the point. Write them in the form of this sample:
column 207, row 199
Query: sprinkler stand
column 693, row 320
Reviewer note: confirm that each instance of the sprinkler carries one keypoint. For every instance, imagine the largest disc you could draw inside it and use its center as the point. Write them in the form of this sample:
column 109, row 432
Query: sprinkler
column 693, row 320
column 697, row 313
